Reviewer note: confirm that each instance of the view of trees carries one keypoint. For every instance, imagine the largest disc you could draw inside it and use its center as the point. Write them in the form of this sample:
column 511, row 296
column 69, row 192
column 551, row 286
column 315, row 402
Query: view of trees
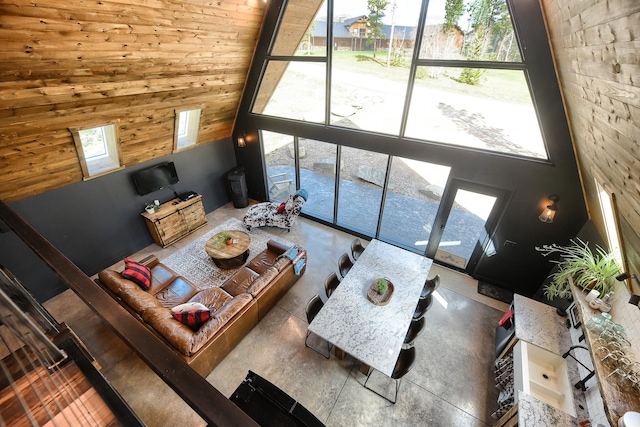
column 376, row 13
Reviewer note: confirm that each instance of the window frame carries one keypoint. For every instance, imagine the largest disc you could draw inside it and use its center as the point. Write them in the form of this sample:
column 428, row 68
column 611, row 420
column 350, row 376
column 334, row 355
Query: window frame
column 96, row 166
column 611, row 222
column 416, row 62
column 189, row 140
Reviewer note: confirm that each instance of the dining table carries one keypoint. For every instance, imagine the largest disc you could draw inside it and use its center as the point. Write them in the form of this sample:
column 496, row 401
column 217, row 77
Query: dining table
column 373, row 333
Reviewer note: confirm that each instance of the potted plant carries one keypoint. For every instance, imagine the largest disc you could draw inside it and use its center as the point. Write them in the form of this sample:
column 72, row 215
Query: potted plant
column 381, row 286
column 225, row 237
column 578, row 262
column 150, row 207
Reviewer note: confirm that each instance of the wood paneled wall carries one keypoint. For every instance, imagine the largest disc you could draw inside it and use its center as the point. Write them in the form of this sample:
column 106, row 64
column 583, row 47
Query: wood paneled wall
column 75, row 63
column 596, row 46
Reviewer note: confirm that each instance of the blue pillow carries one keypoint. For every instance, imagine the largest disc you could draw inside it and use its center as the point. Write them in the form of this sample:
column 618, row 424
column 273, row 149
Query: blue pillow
column 303, row 193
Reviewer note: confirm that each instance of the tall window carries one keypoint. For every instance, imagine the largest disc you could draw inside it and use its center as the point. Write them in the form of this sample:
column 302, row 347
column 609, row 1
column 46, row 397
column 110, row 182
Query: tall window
column 467, row 84
column 97, row 149
column 187, row 124
column 607, row 207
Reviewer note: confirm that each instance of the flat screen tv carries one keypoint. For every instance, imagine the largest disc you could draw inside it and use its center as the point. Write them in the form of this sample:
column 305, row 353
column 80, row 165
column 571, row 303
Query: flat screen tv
column 154, row 178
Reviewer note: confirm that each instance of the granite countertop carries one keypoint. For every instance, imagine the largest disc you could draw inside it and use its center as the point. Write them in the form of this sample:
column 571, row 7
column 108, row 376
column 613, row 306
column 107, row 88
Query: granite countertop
column 540, row 325
column 532, row 412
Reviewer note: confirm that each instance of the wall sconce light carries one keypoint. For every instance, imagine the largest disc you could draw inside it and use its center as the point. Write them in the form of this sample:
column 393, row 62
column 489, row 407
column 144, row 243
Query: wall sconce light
column 549, row 212
column 634, row 299
column 242, row 140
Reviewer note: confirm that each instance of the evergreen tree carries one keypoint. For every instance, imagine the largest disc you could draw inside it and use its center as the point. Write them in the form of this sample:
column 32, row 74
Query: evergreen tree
column 376, row 13
column 453, row 10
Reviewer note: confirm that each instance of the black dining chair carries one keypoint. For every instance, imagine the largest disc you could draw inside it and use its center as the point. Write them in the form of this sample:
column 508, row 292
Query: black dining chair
column 344, row 264
column 403, row 365
column 314, row 306
column 415, row 329
column 331, row 283
column 424, row 304
column 356, row 249
column 430, row 286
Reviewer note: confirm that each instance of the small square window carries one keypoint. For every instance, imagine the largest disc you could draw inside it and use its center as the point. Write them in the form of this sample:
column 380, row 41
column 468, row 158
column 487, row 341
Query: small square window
column 97, row 149
column 186, row 129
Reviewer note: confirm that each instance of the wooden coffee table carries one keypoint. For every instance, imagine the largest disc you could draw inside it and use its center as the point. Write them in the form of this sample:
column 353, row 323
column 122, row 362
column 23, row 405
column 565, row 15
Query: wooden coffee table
column 229, row 256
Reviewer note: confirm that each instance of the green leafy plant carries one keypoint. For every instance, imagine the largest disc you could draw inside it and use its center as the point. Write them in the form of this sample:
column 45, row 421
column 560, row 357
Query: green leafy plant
column 223, row 236
column 151, row 205
column 578, row 262
column 382, row 285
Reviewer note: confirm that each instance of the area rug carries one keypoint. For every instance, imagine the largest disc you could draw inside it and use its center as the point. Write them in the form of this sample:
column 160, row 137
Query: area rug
column 193, row 263
column 495, row 292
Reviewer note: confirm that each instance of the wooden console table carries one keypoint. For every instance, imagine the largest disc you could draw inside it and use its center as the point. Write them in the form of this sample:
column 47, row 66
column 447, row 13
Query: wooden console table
column 175, row 220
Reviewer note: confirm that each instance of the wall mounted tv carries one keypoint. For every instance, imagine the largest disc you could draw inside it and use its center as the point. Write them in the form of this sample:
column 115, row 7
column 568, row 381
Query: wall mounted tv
column 155, row 178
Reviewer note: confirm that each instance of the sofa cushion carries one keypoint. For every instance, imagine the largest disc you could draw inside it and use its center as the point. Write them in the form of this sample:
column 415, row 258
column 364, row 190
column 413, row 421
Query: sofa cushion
column 230, row 309
column 176, row 292
column 263, row 281
column 193, row 318
column 267, row 258
column 128, row 291
column 137, row 273
column 183, row 337
column 212, row 298
column 178, row 334
column 161, row 275
column 240, row 282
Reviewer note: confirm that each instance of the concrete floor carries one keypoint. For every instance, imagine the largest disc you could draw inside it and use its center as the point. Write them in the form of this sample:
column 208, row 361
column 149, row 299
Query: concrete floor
column 450, row 384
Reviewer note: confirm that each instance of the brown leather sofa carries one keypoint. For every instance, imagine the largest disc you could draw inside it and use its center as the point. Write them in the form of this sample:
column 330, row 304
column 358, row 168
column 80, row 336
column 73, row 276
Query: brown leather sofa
column 236, row 306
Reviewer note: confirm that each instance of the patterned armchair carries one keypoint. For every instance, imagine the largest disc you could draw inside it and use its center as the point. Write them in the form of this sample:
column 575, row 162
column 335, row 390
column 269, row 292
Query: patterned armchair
column 269, row 214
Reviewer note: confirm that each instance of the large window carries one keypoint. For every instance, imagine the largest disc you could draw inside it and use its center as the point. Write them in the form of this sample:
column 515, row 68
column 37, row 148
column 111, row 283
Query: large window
column 466, row 85
column 97, row 149
column 607, row 208
column 187, row 124
column 412, row 201
column 279, row 153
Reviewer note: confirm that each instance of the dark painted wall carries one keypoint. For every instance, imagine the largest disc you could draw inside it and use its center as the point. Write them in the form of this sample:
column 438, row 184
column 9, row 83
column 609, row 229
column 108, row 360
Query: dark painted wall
column 514, row 266
column 97, row 222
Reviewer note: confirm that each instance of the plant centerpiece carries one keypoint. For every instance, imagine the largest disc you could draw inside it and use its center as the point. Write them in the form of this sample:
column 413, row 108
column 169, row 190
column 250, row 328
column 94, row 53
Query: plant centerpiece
column 380, row 291
column 381, row 286
column 224, row 238
column 578, row 262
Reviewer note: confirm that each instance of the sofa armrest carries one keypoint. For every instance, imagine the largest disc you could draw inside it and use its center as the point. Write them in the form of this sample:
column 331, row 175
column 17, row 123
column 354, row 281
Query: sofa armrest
column 149, row 261
column 276, row 247
column 136, row 298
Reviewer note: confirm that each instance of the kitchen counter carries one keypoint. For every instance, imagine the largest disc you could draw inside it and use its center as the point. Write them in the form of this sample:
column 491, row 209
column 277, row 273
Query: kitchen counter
column 540, row 325
column 619, row 397
column 532, row 412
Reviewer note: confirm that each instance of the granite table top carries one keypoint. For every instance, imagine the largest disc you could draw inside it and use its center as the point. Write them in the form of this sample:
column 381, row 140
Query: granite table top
column 374, row 334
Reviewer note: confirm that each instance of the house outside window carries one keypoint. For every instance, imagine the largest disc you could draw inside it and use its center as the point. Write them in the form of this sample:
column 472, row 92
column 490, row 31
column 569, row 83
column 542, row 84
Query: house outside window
column 467, row 86
column 98, row 149
column 187, row 124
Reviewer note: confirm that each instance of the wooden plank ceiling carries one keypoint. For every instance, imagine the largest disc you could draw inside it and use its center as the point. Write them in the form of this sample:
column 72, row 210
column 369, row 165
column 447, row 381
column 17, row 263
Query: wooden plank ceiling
column 78, row 63
column 597, row 53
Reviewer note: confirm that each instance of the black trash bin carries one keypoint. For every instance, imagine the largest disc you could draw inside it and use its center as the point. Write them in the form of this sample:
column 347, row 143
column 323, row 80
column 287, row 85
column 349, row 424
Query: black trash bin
column 237, row 186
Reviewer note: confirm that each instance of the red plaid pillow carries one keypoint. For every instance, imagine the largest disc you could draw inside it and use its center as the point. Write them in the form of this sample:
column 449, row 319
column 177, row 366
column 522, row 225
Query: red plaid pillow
column 137, row 273
column 193, row 318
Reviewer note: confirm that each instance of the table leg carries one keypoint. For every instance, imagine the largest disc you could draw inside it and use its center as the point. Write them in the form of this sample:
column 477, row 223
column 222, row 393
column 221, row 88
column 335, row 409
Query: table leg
column 339, row 353
column 364, row 368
